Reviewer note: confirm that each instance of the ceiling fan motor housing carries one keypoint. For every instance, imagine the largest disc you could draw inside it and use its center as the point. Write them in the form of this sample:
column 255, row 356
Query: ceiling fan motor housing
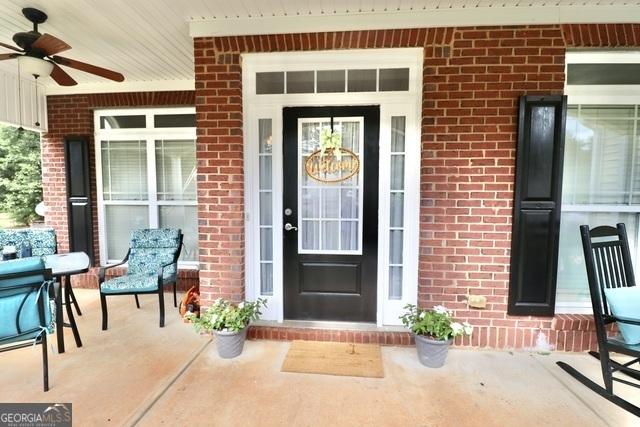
column 25, row 39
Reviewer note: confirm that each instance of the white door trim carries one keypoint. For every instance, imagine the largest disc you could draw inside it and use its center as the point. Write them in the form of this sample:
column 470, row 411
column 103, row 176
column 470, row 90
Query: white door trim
column 405, row 103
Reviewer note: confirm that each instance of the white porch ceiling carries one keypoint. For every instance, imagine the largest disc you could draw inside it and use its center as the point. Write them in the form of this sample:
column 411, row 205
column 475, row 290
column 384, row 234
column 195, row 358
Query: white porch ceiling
column 149, row 41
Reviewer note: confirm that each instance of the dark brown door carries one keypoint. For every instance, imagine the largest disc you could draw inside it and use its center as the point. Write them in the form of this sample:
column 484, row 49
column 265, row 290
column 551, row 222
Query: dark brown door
column 330, row 212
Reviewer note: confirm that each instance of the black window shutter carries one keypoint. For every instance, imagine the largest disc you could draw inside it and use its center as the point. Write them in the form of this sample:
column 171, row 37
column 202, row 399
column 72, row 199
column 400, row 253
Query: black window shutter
column 536, row 208
column 79, row 195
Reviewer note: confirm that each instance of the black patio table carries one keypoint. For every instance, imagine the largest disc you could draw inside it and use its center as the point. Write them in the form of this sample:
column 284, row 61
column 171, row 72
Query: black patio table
column 63, row 266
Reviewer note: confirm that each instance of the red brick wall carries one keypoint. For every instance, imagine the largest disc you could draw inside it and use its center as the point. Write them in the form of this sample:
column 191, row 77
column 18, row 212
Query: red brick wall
column 73, row 115
column 473, row 78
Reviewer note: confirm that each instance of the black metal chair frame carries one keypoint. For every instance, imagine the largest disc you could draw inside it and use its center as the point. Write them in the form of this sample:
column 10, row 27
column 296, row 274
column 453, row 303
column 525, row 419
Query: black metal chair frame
column 42, row 338
column 159, row 291
column 609, row 266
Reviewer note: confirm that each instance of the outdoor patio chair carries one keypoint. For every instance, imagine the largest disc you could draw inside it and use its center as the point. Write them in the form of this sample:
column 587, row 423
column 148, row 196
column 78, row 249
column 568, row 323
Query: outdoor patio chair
column 609, row 270
column 26, row 314
column 152, row 264
column 43, row 242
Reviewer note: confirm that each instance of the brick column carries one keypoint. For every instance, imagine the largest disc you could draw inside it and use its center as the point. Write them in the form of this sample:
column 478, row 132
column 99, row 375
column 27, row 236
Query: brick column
column 220, row 172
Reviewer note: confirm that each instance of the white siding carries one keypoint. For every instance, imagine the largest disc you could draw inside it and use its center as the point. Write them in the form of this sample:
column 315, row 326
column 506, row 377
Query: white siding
column 10, row 93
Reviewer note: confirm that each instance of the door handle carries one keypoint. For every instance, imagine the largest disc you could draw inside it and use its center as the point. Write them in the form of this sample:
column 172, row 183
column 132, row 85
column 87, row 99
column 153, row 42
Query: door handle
column 289, row 227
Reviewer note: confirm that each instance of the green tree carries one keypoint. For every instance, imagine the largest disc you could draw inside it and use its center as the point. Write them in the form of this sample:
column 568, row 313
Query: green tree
column 20, row 173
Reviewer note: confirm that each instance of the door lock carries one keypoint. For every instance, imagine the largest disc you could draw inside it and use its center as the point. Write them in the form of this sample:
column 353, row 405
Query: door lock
column 289, row 227
column 288, row 211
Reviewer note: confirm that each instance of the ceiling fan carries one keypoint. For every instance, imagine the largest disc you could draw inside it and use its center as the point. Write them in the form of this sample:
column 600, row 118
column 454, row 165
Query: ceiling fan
column 37, row 54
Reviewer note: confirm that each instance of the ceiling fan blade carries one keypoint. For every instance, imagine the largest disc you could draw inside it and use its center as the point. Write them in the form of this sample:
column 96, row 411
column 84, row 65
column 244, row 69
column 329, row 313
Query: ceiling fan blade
column 4, row 56
column 61, row 77
column 50, row 44
column 8, row 46
column 88, row 68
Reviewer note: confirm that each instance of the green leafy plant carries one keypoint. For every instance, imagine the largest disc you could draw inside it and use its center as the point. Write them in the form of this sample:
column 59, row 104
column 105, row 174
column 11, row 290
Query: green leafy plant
column 223, row 315
column 437, row 323
column 20, row 174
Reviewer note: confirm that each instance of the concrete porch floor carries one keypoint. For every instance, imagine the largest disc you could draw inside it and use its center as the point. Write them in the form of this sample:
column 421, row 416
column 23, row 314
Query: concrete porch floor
column 137, row 373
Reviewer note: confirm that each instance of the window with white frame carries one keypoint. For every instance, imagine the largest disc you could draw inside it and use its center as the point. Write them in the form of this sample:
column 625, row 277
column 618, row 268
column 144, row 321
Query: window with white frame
column 146, row 176
column 601, row 186
column 601, row 178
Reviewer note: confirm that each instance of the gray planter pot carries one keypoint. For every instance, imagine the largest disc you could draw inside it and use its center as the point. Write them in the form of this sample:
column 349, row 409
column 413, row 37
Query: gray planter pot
column 432, row 353
column 230, row 344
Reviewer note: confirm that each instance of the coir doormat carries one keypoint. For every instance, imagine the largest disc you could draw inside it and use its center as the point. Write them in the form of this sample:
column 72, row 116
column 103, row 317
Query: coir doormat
column 334, row 358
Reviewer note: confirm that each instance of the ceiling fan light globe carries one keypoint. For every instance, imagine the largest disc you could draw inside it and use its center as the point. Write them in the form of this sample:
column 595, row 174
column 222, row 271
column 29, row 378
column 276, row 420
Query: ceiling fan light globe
column 35, row 66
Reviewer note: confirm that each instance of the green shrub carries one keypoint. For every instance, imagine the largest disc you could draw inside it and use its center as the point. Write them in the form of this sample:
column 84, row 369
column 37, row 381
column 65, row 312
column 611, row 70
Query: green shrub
column 437, row 323
column 20, row 174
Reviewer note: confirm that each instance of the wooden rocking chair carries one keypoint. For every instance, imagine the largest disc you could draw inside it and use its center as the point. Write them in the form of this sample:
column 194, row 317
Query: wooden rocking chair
column 608, row 263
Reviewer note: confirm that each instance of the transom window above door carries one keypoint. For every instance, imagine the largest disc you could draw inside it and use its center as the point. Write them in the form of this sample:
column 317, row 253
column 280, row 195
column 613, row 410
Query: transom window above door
column 332, row 81
column 146, row 176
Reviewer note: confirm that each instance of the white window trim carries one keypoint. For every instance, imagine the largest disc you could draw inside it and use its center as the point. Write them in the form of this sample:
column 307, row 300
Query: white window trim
column 404, row 103
column 149, row 134
column 598, row 95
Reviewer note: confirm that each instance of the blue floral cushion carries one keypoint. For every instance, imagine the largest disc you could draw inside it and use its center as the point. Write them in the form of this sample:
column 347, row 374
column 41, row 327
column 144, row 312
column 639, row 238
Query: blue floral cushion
column 42, row 240
column 155, row 238
column 148, row 261
column 130, row 283
column 153, row 248
column 134, row 283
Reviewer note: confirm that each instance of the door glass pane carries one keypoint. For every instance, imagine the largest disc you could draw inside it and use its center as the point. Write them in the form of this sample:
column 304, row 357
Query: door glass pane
column 300, row 82
column 266, row 278
column 397, row 209
column 265, row 172
column 176, row 169
column 266, row 208
column 396, row 206
column 395, row 247
column 395, row 282
column 361, row 80
column 397, row 171
column 330, row 205
column 124, row 170
column 186, row 219
column 269, row 83
column 330, row 235
column 331, row 81
column 349, row 235
column 394, row 79
column 119, row 222
column 265, row 178
column 349, row 203
column 266, row 244
column 310, row 235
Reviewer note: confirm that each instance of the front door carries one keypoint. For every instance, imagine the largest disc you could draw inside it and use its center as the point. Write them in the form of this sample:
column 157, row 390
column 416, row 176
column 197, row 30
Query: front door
column 330, row 212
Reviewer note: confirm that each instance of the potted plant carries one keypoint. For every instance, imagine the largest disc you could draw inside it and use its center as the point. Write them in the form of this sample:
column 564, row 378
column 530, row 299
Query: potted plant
column 434, row 331
column 229, row 322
